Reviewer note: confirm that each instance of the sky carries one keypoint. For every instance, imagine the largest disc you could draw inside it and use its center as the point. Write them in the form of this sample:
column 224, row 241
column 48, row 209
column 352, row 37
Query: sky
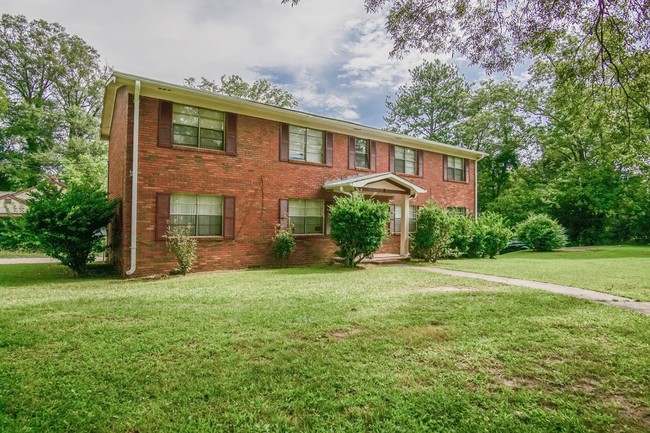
column 330, row 54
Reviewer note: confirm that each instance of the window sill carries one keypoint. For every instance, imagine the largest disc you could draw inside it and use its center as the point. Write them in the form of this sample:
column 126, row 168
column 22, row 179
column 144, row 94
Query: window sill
column 308, row 235
column 199, row 149
column 364, row 169
column 207, row 238
column 408, row 175
column 314, row 164
column 457, row 181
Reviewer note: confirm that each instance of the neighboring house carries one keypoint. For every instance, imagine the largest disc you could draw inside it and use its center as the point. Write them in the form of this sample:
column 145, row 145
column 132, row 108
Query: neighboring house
column 13, row 204
column 234, row 170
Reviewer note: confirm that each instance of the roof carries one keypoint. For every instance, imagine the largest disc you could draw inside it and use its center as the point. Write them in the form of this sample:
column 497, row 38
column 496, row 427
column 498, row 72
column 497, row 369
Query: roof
column 373, row 180
column 185, row 95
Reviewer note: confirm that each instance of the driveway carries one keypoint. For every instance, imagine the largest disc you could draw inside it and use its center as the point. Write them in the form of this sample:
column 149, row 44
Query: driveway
column 28, row 261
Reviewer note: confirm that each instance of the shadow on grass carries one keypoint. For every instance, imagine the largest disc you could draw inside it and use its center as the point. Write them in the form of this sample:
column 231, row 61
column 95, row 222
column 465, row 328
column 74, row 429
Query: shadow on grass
column 25, row 275
column 310, row 270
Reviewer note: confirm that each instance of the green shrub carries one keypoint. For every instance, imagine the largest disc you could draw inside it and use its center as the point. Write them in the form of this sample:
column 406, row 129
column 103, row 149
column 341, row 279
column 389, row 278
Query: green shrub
column 462, row 235
column 358, row 226
column 541, row 233
column 433, row 234
column 15, row 237
column 182, row 246
column 68, row 224
column 493, row 234
column 283, row 242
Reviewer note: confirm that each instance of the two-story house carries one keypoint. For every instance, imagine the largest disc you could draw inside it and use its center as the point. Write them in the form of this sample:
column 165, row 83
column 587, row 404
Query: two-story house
column 232, row 170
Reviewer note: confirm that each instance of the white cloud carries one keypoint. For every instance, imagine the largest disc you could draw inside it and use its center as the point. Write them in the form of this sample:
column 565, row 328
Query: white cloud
column 368, row 64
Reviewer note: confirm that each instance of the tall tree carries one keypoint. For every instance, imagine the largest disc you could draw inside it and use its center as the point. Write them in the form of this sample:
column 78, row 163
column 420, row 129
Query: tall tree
column 54, row 84
column 233, row 85
column 497, row 124
column 431, row 105
column 613, row 35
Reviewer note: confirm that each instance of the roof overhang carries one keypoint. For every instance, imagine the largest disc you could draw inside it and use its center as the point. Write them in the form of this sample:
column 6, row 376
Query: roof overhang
column 381, row 183
column 185, row 95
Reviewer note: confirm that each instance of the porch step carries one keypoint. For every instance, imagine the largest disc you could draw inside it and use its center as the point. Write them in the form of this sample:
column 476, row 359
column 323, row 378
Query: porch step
column 386, row 258
column 381, row 259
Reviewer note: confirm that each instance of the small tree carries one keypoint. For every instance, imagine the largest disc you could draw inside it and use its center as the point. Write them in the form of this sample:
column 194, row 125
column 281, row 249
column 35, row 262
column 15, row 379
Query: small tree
column 541, row 233
column 433, row 234
column 358, row 226
column 67, row 223
column 283, row 242
column 182, row 246
column 494, row 233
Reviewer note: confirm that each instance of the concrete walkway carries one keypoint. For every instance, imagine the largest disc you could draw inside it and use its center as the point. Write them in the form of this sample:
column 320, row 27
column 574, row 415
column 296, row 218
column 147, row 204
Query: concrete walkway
column 28, row 261
column 590, row 295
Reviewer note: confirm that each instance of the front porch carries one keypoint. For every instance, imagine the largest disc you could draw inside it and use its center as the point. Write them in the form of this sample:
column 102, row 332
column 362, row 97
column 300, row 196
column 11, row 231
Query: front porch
column 390, row 186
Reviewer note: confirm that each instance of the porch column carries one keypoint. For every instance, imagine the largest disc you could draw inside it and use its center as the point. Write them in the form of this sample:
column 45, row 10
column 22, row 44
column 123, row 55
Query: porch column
column 404, row 229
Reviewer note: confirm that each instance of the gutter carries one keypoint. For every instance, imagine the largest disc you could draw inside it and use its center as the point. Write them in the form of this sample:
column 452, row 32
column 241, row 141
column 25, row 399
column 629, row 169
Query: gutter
column 134, row 177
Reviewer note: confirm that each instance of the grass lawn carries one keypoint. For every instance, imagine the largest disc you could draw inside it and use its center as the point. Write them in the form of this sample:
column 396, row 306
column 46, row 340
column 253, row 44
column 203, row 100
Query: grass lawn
column 313, row 349
column 620, row 270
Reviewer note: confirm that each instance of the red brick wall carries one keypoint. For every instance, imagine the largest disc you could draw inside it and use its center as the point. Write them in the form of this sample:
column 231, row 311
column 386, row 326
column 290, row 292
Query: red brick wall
column 258, row 180
column 119, row 180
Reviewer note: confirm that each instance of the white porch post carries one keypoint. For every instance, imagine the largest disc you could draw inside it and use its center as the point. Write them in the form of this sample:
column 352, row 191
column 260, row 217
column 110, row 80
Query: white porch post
column 404, row 229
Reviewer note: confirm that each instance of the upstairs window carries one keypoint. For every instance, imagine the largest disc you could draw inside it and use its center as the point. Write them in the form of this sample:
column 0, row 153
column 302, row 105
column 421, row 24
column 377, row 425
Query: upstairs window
column 201, row 214
column 455, row 168
column 198, row 127
column 406, row 160
column 307, row 216
column 361, row 153
column 306, row 144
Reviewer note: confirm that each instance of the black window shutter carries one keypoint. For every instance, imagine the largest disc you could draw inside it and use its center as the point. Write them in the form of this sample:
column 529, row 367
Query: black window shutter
column 162, row 214
column 351, row 153
column 284, row 213
column 231, row 134
column 329, row 149
column 391, row 157
column 420, row 163
column 373, row 156
column 444, row 168
column 284, row 142
column 466, row 161
column 228, row 217
column 165, row 114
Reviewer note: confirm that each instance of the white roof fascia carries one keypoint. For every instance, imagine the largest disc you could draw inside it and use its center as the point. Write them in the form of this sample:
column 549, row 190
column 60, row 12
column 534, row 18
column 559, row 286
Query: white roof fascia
column 363, row 181
column 181, row 94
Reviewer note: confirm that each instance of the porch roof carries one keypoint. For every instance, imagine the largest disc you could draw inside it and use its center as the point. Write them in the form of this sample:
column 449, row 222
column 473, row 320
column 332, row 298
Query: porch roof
column 375, row 181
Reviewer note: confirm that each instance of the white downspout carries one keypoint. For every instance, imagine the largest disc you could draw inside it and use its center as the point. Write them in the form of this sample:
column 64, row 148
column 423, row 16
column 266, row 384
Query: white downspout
column 134, row 177
column 476, row 188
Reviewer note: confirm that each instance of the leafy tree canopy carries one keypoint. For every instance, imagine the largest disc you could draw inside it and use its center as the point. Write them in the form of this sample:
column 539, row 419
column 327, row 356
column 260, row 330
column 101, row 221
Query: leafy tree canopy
column 53, row 83
column 233, row 85
column 431, row 105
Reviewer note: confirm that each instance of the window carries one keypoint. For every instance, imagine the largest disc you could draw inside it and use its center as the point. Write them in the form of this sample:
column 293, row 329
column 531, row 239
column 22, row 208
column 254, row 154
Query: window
column 458, row 210
column 306, row 216
column 405, row 160
column 198, row 127
column 396, row 218
column 306, row 144
column 203, row 214
column 361, row 153
column 455, row 168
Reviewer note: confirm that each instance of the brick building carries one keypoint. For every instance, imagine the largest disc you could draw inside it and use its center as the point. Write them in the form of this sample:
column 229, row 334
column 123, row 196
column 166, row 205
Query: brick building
column 235, row 169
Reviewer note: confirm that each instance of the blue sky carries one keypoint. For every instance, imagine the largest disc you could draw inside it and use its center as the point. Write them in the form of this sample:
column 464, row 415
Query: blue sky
column 330, row 54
